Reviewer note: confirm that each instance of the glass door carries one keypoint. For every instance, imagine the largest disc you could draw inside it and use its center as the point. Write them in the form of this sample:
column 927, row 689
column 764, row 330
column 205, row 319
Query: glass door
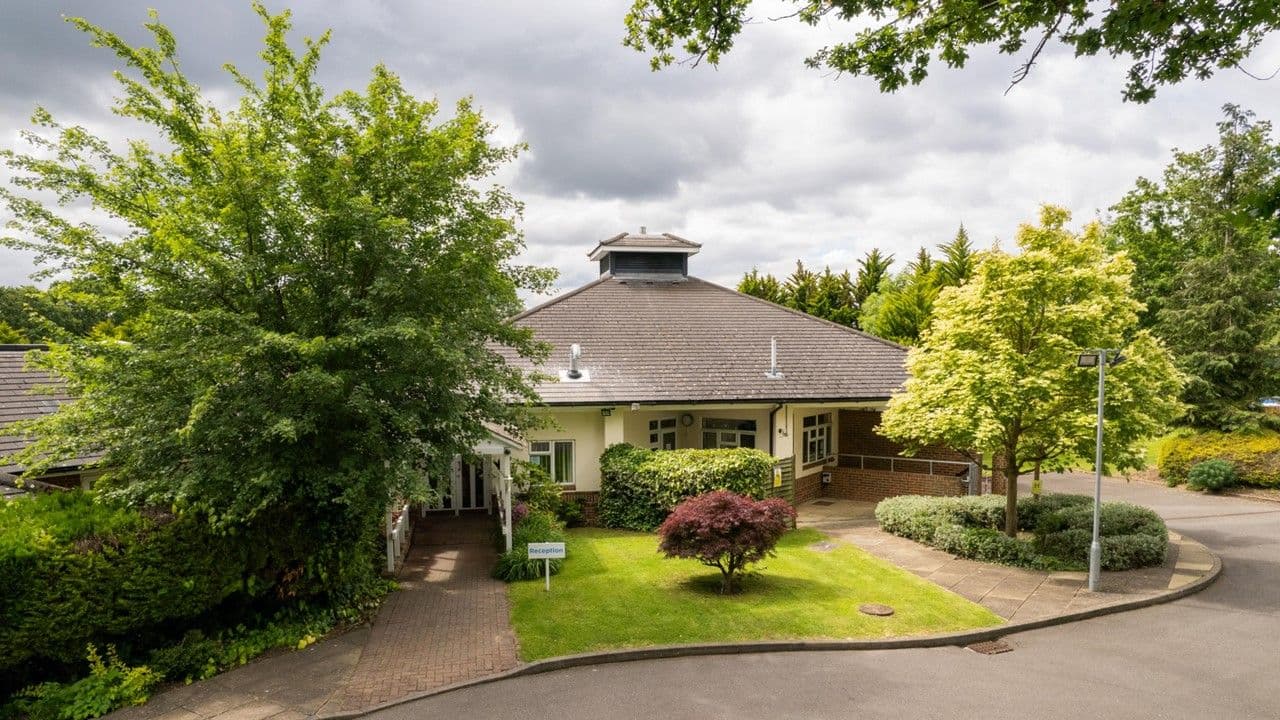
column 473, row 495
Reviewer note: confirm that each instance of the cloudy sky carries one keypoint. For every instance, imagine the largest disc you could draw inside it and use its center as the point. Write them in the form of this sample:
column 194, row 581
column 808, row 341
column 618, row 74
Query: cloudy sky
column 761, row 160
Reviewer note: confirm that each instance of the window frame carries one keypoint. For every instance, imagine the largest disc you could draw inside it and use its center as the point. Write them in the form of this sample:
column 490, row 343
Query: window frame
column 550, row 454
column 722, row 426
column 818, row 435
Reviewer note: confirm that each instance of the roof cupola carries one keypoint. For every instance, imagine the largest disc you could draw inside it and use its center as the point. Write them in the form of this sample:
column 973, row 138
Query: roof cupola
column 649, row 256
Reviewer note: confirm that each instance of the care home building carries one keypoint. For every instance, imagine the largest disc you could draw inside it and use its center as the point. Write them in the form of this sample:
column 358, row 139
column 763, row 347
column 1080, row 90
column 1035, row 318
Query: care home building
column 649, row 354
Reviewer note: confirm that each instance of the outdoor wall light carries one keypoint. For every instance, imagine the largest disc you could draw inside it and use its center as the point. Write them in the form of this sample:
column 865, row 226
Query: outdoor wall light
column 606, row 412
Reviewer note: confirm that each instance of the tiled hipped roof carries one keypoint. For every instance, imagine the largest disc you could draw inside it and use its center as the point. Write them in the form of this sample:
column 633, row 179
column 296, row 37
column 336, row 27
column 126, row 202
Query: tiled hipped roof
column 693, row 341
column 20, row 400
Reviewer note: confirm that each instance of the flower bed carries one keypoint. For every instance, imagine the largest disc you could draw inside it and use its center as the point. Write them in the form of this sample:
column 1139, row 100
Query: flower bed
column 1060, row 529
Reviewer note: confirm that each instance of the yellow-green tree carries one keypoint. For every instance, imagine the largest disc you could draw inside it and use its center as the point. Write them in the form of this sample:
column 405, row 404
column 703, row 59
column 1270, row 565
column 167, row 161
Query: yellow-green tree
column 995, row 374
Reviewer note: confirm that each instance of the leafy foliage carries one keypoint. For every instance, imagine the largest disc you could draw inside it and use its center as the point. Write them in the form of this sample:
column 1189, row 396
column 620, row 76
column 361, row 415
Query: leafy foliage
column 995, row 375
column 1212, row 475
column 902, row 308
column 837, row 297
column 317, row 291
column 111, row 684
column 29, row 314
column 537, row 526
column 725, row 530
column 640, row 487
column 1254, row 456
column 1203, row 241
column 897, row 40
column 1131, row 536
column 78, row 571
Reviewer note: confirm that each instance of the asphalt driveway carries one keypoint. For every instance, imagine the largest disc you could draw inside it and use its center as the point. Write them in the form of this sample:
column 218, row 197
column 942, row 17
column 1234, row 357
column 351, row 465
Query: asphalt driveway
column 1212, row 655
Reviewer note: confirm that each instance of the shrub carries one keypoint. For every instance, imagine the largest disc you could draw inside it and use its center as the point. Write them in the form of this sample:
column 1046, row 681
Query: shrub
column 1212, row 475
column 640, row 487
column 111, row 684
column 985, row 544
column 1130, row 536
column 539, row 526
column 533, row 486
column 969, row 527
column 76, row 571
column 1254, row 455
column 725, row 530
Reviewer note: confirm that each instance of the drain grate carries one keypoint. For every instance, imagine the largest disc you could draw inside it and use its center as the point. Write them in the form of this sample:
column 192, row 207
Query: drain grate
column 990, row 647
column 824, row 502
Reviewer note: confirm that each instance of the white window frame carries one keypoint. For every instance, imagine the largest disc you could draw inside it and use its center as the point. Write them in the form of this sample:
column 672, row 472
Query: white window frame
column 721, row 433
column 815, row 439
column 550, row 454
column 658, row 427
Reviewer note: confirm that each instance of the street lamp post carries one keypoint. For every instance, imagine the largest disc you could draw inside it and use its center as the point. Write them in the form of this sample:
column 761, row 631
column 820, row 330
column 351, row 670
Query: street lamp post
column 1097, row 357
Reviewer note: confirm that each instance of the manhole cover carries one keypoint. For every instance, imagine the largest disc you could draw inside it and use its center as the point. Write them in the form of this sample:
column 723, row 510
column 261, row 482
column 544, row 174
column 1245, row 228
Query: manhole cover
column 991, row 647
column 823, row 546
column 824, row 502
column 875, row 609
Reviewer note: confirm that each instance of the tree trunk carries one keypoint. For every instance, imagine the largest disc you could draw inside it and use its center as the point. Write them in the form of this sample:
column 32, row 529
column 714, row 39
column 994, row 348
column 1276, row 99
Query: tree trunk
column 1036, row 486
column 1011, row 494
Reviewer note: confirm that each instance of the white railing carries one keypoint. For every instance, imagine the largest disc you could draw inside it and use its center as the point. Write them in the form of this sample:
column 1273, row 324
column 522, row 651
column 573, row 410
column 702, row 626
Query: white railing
column 503, row 467
column 397, row 537
column 970, row 469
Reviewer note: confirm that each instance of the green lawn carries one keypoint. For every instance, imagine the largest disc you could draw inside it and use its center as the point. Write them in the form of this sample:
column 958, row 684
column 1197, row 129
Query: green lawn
column 617, row 591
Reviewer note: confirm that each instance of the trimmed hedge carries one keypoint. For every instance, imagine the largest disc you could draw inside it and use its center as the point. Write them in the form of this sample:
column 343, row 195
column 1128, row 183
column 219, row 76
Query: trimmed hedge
column 1255, row 456
column 1062, row 525
column 76, row 571
column 640, row 487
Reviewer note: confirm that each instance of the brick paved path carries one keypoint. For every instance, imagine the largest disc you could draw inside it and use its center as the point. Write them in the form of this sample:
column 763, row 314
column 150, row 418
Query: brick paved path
column 447, row 623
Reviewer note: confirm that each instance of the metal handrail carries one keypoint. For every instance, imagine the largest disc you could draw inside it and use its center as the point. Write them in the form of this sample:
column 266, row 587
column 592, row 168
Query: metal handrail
column 862, row 461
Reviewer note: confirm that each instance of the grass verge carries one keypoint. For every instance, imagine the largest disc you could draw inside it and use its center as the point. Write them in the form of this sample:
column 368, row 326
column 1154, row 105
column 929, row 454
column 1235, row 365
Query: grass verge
column 617, row 591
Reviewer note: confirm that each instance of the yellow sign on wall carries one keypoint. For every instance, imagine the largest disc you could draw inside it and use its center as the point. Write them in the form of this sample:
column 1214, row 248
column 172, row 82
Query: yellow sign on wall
column 777, row 476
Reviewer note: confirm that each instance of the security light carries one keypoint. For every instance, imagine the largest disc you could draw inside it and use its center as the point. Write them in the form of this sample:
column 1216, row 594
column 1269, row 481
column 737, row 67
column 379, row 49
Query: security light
column 1087, row 360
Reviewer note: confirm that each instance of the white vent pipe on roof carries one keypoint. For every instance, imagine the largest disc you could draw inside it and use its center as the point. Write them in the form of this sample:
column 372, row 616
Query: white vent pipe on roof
column 774, row 373
column 575, row 353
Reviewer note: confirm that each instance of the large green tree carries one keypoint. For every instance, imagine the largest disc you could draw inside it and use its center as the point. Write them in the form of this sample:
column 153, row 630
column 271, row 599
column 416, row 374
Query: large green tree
column 35, row 315
column 1203, row 238
column 896, row 41
column 995, row 374
column 903, row 307
column 318, row 288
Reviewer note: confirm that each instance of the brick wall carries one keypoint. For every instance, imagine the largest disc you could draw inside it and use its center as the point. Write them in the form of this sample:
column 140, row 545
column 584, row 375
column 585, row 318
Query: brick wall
column 590, row 501
column 876, row 485
column 858, row 436
column 808, row 488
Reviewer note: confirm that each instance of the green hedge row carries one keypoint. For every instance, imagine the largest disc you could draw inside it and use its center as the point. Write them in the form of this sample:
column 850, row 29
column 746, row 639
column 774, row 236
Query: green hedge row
column 75, row 571
column 640, row 487
column 1255, row 456
column 1062, row 528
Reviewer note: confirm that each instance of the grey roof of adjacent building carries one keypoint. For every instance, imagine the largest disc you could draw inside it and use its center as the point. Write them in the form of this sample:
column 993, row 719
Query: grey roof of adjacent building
column 26, row 394
column 691, row 341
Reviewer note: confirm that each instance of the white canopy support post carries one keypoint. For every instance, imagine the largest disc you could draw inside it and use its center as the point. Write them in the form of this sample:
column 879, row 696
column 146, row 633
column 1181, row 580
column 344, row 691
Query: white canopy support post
column 504, row 485
column 391, row 542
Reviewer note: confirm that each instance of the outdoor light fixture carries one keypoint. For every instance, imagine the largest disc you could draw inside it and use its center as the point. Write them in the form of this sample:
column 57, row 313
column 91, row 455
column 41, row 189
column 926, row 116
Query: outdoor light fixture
column 1097, row 358
column 606, row 411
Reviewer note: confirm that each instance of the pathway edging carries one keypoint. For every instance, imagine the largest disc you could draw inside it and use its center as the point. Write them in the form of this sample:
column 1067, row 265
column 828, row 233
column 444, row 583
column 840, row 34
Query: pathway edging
column 673, row 651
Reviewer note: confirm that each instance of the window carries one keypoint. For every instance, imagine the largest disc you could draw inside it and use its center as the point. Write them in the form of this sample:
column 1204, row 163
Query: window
column 815, row 438
column 662, row 434
column 718, row 433
column 556, row 456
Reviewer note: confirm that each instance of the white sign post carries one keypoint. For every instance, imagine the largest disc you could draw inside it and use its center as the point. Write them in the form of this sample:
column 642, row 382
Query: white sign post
column 546, row 551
